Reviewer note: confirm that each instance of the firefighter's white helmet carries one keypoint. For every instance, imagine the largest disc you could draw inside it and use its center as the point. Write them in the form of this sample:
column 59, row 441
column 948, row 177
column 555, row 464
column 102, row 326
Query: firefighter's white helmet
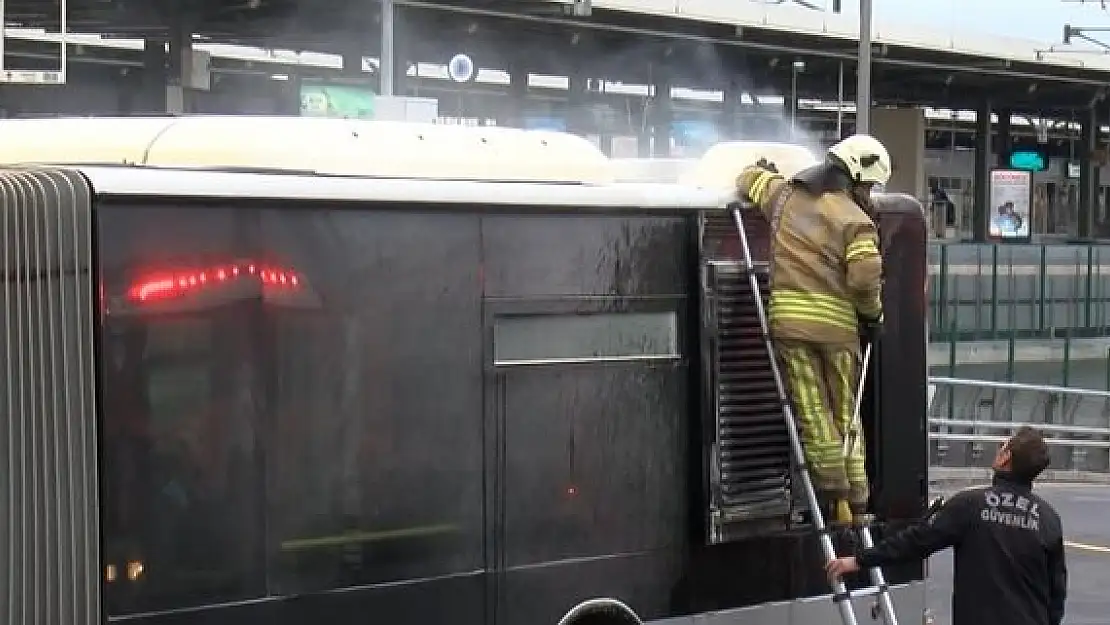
column 865, row 157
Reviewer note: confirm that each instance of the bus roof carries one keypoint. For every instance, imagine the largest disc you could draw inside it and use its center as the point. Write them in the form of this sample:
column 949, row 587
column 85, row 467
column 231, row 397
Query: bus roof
column 168, row 183
column 651, row 169
column 310, row 145
column 718, row 168
column 720, row 165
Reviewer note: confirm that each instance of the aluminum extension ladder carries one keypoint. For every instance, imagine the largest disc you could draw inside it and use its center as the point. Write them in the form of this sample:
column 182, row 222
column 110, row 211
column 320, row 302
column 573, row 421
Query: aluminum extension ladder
column 842, row 597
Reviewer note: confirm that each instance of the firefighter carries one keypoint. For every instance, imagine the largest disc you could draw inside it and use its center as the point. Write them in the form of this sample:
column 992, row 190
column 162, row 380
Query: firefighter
column 826, row 280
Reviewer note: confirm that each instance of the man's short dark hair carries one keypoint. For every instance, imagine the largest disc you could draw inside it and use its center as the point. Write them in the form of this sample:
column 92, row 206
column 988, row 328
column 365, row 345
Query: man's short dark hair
column 1028, row 453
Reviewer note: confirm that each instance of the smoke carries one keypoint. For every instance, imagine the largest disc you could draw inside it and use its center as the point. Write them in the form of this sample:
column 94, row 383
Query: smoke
column 619, row 108
column 699, row 114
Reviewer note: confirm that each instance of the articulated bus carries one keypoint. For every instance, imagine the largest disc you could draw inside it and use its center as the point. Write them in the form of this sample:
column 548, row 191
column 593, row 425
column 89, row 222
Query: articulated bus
column 285, row 371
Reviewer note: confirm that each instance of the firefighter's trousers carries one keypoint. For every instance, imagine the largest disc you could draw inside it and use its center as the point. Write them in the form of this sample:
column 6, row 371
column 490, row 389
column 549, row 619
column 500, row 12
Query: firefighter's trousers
column 821, row 381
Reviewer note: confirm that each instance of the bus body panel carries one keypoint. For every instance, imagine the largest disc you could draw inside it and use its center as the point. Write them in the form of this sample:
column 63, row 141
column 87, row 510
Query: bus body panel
column 418, row 412
column 910, row 602
column 896, row 404
column 409, row 323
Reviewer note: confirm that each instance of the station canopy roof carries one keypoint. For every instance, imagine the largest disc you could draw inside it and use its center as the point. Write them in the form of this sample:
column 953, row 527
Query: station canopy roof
column 707, row 43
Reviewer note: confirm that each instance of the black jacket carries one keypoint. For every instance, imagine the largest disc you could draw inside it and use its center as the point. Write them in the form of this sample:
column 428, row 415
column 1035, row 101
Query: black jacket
column 1009, row 547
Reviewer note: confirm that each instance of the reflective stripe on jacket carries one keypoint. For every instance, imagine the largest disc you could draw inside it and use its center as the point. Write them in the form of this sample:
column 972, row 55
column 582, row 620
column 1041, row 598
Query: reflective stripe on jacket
column 826, row 267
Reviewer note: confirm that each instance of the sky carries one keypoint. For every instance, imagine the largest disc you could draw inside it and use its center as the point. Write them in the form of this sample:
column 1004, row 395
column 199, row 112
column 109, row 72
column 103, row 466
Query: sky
column 1041, row 20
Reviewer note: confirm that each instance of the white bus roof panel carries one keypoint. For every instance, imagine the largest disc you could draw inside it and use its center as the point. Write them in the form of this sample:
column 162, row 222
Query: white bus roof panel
column 326, row 146
column 150, row 181
column 651, row 169
column 300, row 158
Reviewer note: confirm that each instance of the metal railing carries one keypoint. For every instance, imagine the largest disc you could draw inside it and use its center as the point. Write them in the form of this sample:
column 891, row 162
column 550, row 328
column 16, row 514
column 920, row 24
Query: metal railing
column 995, row 291
column 968, row 419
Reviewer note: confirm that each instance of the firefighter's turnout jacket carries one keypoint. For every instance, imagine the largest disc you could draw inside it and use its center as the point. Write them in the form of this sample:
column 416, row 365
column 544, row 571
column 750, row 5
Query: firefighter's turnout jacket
column 826, row 273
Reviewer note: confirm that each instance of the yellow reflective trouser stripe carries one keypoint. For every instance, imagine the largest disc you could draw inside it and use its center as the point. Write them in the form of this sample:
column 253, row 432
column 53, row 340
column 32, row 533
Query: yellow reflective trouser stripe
column 759, row 187
column 820, row 439
column 861, row 248
column 814, row 308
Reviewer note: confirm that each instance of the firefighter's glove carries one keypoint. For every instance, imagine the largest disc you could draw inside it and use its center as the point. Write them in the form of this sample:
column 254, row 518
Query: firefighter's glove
column 765, row 164
column 753, row 180
column 871, row 329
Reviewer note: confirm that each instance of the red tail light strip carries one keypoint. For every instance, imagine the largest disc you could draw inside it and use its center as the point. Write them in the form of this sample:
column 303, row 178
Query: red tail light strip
column 169, row 285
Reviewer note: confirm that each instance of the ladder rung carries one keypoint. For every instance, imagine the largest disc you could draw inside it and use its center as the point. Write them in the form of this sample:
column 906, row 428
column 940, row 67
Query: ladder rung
column 870, row 591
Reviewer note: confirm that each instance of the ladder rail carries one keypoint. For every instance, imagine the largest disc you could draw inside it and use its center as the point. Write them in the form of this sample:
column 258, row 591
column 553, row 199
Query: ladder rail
column 878, row 580
column 851, row 440
column 841, row 596
column 852, row 435
column 840, row 589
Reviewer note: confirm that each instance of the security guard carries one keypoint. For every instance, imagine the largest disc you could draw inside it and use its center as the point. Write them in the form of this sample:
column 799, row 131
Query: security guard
column 826, row 278
column 1009, row 567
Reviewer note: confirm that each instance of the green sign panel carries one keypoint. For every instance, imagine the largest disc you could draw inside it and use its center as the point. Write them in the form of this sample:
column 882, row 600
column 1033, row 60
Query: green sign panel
column 337, row 101
column 1028, row 160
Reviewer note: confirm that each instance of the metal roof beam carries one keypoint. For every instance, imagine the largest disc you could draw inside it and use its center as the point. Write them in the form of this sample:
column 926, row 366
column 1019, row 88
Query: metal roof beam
column 769, row 47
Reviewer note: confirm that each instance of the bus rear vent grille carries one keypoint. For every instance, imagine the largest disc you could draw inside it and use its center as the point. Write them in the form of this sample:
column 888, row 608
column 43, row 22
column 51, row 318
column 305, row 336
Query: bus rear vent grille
column 751, row 489
column 719, row 238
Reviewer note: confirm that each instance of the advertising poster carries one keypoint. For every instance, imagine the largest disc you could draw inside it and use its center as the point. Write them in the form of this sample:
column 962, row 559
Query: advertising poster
column 340, row 101
column 1011, row 199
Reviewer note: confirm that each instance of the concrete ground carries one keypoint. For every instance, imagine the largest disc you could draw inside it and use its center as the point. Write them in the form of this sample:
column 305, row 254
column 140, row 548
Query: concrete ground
column 1085, row 510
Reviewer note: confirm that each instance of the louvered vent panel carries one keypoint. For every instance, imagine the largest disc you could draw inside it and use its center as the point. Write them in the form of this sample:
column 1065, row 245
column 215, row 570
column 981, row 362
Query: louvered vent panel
column 49, row 506
column 719, row 239
column 719, row 225
column 752, row 465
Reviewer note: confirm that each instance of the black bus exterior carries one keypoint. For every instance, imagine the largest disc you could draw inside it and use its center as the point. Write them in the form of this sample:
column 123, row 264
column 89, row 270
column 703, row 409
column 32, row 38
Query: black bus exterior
column 243, row 398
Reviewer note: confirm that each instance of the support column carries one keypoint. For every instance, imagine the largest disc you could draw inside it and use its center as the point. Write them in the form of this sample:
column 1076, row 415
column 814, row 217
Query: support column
column 180, row 63
column 657, row 143
column 151, row 98
column 287, row 96
column 128, row 87
column 578, row 101
column 402, row 45
column 1004, row 139
column 731, row 110
column 516, row 107
column 1088, row 174
column 981, row 206
column 790, row 118
column 352, row 62
column 387, row 58
column 902, row 131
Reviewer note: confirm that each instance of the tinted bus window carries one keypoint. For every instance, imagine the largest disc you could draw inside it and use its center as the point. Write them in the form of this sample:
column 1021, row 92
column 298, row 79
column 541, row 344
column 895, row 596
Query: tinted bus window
column 551, row 338
column 292, row 401
column 376, row 456
column 183, row 407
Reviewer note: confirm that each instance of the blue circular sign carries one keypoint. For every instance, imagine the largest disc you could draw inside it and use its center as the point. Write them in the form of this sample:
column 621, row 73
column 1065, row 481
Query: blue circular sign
column 460, row 68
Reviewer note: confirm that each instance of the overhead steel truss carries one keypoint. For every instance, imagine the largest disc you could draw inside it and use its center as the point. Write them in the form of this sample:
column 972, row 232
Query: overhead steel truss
column 990, row 67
